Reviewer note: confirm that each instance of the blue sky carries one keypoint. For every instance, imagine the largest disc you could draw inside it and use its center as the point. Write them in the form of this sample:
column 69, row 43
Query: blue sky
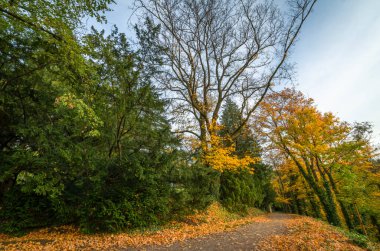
column 338, row 59
column 337, row 56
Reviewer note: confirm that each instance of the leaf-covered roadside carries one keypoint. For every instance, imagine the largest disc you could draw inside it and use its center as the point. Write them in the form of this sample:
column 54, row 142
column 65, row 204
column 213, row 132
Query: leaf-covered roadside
column 305, row 233
column 214, row 220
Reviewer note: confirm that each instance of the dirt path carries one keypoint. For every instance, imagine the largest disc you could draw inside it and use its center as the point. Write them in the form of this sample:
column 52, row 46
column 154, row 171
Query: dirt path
column 271, row 232
column 243, row 238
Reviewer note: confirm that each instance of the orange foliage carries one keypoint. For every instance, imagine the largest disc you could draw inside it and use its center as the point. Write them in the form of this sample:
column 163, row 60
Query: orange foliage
column 305, row 233
column 319, row 147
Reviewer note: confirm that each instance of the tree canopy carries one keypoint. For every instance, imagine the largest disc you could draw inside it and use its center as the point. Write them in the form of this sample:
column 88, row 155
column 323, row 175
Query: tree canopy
column 321, row 157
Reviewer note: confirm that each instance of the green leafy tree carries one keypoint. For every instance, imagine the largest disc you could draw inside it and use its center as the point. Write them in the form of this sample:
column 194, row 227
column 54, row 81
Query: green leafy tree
column 46, row 117
column 84, row 137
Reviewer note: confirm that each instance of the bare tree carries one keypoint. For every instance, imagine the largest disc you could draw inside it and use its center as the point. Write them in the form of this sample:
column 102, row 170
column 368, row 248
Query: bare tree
column 219, row 49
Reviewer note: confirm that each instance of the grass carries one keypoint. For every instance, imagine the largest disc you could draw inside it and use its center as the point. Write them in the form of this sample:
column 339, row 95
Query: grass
column 360, row 239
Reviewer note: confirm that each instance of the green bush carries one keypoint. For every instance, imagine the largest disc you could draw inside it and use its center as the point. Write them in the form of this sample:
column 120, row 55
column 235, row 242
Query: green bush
column 194, row 187
column 241, row 189
column 22, row 211
column 359, row 239
column 151, row 200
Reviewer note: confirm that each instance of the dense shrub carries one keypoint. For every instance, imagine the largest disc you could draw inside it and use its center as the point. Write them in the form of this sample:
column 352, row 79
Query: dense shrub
column 132, row 199
column 22, row 211
column 242, row 189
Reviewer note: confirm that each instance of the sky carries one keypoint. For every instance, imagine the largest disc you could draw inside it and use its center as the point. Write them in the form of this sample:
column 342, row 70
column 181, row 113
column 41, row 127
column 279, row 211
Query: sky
column 337, row 56
column 338, row 60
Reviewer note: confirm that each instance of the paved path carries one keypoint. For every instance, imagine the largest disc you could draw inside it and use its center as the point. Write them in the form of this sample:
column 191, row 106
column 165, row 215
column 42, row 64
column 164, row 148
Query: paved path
column 246, row 237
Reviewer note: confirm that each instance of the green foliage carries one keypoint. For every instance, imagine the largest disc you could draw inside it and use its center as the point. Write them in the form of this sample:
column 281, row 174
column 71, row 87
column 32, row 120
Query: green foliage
column 359, row 239
column 242, row 189
column 194, row 185
column 83, row 135
column 45, row 84
column 25, row 211
column 132, row 198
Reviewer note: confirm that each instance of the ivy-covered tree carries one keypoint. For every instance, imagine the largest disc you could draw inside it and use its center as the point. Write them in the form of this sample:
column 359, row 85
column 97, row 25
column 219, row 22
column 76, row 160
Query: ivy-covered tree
column 332, row 157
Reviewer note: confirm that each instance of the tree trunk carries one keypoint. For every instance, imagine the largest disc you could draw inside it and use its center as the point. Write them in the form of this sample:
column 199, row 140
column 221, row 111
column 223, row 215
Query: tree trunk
column 346, row 215
column 328, row 204
column 360, row 220
column 377, row 225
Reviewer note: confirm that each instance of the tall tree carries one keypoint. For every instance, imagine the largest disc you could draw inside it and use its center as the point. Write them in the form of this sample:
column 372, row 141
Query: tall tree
column 319, row 145
column 43, row 76
column 215, row 50
column 245, row 142
column 47, row 121
column 244, row 186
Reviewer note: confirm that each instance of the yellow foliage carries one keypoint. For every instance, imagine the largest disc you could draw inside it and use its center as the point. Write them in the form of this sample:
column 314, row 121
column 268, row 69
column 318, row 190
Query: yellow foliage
column 219, row 153
column 314, row 150
column 282, row 200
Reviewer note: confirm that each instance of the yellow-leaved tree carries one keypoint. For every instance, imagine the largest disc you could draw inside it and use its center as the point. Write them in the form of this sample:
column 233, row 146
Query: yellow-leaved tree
column 332, row 157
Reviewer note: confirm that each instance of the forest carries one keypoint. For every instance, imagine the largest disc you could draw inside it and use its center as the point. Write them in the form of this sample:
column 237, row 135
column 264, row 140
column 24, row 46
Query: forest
column 108, row 133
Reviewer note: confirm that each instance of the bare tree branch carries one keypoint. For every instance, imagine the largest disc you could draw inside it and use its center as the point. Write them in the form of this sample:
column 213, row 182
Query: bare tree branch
column 223, row 48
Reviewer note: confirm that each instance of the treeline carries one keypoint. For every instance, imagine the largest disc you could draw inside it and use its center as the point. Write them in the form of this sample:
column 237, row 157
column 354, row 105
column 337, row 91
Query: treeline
column 107, row 136
column 84, row 136
column 325, row 168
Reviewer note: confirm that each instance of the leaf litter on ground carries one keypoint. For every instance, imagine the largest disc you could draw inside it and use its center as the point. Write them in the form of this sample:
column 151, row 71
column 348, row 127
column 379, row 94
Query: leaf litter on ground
column 214, row 220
